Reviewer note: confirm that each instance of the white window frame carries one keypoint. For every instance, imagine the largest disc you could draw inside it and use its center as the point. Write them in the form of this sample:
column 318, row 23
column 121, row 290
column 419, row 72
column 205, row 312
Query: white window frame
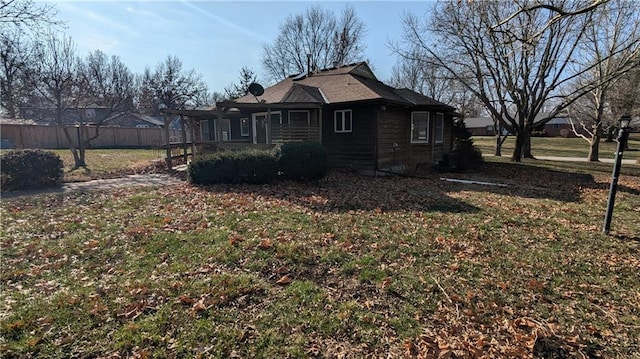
column 302, row 111
column 217, row 123
column 244, row 130
column 342, row 121
column 439, row 132
column 426, row 140
column 226, row 123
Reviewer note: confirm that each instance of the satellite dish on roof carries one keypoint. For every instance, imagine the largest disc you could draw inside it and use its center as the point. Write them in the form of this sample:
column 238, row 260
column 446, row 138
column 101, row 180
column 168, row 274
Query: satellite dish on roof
column 255, row 89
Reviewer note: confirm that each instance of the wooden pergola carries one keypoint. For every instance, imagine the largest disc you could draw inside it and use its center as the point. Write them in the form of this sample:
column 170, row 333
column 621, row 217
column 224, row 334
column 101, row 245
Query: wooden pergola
column 219, row 111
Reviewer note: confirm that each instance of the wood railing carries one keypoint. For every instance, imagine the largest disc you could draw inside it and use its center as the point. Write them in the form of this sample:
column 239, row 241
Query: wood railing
column 294, row 133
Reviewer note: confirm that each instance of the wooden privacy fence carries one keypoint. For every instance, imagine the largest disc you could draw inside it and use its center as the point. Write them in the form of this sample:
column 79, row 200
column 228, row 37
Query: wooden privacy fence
column 33, row 136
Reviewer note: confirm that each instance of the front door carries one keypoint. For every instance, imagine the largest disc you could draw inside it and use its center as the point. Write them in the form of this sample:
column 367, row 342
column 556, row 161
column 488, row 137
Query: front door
column 260, row 128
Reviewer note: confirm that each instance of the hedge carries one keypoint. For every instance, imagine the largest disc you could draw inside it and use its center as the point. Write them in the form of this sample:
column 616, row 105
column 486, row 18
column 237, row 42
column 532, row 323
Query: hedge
column 28, row 169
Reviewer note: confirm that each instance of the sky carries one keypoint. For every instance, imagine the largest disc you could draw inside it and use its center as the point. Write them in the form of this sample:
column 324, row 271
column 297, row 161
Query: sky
column 217, row 38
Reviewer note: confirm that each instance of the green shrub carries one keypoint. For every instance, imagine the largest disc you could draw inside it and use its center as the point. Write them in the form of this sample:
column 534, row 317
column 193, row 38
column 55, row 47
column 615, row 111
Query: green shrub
column 302, row 161
column 465, row 154
column 27, row 169
column 247, row 166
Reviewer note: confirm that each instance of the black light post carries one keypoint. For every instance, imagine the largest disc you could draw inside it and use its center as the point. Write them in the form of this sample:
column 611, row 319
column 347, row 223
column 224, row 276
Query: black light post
column 625, row 121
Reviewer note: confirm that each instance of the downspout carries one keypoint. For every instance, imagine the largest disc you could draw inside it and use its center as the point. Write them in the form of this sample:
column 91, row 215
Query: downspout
column 432, row 135
column 375, row 145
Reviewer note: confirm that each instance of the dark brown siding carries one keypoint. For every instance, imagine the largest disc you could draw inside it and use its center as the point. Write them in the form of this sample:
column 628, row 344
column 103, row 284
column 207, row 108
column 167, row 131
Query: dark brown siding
column 395, row 150
column 394, row 126
column 355, row 149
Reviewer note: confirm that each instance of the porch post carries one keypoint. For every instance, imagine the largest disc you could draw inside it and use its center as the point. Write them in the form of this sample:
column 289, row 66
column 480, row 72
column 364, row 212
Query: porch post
column 268, row 125
column 166, row 140
column 218, row 126
column 183, row 131
column 193, row 137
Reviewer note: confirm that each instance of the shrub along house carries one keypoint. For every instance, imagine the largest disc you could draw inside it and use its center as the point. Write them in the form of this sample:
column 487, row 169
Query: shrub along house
column 364, row 124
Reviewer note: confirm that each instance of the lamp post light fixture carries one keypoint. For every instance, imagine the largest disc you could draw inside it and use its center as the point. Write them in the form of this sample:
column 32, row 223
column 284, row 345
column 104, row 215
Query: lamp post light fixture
column 625, row 122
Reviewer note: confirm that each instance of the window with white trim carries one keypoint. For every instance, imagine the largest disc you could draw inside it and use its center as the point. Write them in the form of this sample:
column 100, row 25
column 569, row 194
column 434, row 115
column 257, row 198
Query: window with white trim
column 420, row 127
column 226, row 129
column 342, row 121
column 439, row 135
column 244, row 127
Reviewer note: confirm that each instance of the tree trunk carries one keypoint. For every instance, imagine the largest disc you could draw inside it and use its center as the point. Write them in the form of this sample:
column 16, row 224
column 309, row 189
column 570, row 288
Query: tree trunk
column 79, row 159
column 499, row 141
column 526, row 147
column 519, row 147
column 594, row 147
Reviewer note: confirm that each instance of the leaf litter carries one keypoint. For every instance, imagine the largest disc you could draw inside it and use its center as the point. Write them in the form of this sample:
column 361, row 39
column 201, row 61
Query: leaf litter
column 346, row 267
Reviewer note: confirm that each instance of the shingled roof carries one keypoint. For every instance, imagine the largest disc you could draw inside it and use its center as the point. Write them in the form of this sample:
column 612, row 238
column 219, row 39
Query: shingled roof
column 348, row 83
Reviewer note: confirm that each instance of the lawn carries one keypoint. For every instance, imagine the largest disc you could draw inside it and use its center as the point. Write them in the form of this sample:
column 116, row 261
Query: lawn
column 347, row 267
column 558, row 146
column 107, row 163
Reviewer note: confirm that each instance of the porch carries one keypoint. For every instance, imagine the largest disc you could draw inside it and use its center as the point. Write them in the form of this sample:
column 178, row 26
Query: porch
column 205, row 131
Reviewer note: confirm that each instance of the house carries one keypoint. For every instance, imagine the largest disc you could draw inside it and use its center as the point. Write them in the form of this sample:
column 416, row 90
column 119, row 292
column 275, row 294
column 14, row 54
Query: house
column 90, row 116
column 363, row 123
column 558, row 126
column 480, row 126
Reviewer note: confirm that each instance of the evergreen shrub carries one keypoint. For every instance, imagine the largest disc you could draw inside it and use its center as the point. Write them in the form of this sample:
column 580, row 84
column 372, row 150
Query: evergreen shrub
column 302, row 161
column 465, row 154
column 29, row 169
column 246, row 166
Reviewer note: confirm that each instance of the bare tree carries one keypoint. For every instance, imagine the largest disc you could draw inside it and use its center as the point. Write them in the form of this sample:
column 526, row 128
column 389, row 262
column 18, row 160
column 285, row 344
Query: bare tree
column 20, row 22
column 315, row 39
column 27, row 14
column 347, row 38
column 15, row 56
column 515, row 70
column 170, row 86
column 54, row 82
column 615, row 25
column 559, row 10
column 106, row 83
column 624, row 97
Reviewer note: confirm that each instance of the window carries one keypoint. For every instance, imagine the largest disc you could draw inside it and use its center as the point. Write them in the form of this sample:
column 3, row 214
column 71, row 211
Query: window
column 244, row 127
column 342, row 121
column 439, row 128
column 204, row 130
column 420, row 127
column 298, row 117
column 226, row 129
column 276, row 119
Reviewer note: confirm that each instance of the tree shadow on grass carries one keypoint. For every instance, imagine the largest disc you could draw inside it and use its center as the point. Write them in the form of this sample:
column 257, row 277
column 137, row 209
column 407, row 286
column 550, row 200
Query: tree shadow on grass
column 524, row 181
column 344, row 192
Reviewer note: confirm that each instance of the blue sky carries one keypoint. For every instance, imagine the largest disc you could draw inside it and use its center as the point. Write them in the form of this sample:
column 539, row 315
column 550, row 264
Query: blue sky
column 216, row 38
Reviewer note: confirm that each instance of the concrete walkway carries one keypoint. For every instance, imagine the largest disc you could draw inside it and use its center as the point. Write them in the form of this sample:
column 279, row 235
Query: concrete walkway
column 155, row 179
column 584, row 159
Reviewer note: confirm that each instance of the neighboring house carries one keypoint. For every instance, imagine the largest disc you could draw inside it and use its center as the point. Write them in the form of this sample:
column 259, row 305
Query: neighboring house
column 556, row 127
column 480, row 126
column 363, row 123
column 90, row 116
column 559, row 127
column 134, row 120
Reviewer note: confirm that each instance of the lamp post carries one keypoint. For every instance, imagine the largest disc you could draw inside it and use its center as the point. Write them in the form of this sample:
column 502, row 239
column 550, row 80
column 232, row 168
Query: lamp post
column 625, row 121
